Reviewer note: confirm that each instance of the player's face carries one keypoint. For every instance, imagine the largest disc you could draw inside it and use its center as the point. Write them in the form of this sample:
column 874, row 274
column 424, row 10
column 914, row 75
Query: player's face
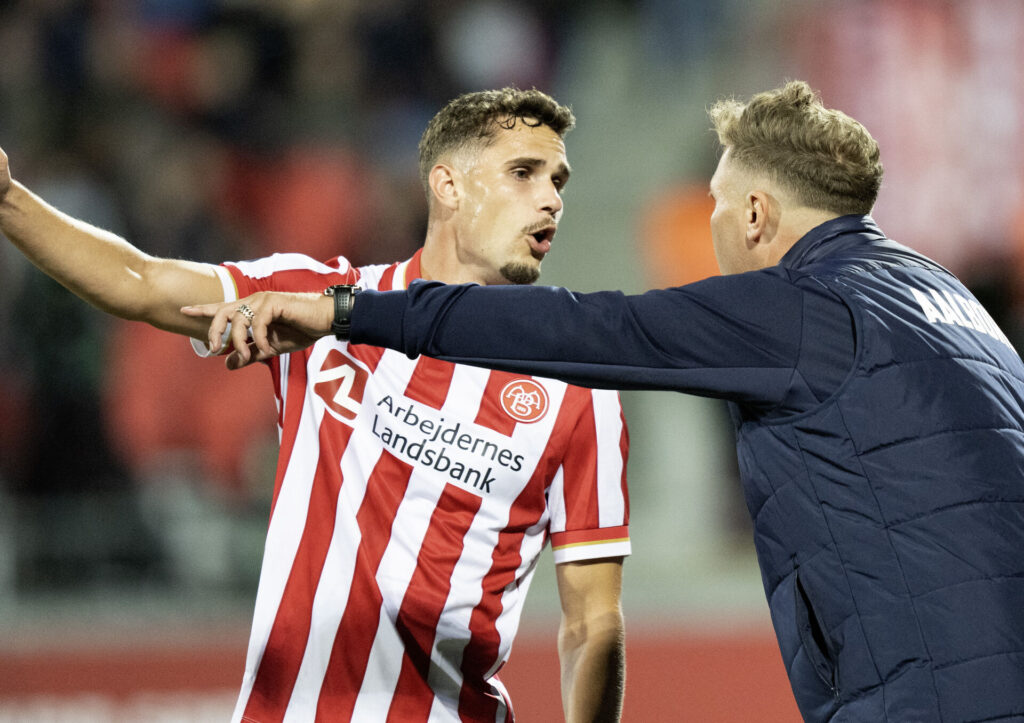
column 728, row 220
column 511, row 203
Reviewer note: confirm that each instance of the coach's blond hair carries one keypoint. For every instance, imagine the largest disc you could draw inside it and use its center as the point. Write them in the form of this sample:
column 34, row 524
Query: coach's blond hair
column 825, row 158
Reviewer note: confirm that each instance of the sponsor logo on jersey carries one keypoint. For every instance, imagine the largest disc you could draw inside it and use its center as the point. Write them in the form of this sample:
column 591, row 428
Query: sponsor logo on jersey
column 340, row 383
column 524, row 400
column 413, row 433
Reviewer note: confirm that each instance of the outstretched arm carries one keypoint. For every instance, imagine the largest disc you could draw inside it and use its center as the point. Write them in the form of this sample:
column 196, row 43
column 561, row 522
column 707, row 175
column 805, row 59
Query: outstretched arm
column 103, row 268
column 715, row 337
column 591, row 640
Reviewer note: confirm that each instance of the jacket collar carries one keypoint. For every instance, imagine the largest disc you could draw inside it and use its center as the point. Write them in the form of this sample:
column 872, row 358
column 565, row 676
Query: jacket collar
column 831, row 236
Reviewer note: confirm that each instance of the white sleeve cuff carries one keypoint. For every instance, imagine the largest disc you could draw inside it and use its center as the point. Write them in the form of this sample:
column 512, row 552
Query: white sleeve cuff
column 230, row 294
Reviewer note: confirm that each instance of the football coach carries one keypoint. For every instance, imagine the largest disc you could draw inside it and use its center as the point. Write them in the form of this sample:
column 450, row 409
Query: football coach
column 877, row 408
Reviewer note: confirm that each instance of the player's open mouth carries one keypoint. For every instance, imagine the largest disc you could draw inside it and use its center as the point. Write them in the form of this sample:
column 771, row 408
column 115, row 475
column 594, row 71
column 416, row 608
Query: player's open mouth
column 541, row 240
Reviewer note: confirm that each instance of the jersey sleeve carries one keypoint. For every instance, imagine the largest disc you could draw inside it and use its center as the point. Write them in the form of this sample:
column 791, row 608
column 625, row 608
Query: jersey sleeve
column 588, row 499
column 279, row 272
column 288, row 272
column 230, row 293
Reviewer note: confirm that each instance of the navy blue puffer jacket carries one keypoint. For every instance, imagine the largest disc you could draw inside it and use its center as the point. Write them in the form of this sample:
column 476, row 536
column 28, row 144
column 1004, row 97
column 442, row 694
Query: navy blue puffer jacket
column 880, row 432
column 889, row 519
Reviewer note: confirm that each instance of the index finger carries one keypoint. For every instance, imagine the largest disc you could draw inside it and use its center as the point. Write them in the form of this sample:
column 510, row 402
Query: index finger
column 217, row 334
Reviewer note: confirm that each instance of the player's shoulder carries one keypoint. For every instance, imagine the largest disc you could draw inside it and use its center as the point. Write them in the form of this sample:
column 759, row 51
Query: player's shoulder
column 377, row 277
column 298, row 266
column 604, row 401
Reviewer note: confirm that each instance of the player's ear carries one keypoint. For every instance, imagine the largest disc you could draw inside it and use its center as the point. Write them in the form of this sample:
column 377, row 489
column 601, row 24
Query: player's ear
column 443, row 185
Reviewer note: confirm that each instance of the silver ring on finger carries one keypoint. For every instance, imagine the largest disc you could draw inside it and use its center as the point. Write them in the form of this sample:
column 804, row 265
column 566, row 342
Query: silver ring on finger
column 245, row 311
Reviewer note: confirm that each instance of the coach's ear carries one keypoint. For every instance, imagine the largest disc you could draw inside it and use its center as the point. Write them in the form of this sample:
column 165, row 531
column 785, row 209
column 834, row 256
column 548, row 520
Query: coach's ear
column 758, row 211
column 443, row 185
column 763, row 217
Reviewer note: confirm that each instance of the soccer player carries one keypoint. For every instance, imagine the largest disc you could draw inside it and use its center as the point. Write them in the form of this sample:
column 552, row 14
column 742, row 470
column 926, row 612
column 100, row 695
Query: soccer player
column 879, row 412
column 413, row 496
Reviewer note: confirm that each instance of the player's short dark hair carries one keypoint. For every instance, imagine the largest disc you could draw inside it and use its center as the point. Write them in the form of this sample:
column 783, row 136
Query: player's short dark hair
column 824, row 157
column 475, row 118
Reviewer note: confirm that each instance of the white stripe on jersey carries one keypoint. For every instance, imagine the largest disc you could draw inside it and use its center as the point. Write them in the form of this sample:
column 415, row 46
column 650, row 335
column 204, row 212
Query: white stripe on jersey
column 381, row 674
column 331, row 597
column 284, row 365
column 370, row 276
column 608, row 422
column 463, row 405
column 393, row 576
column 283, row 535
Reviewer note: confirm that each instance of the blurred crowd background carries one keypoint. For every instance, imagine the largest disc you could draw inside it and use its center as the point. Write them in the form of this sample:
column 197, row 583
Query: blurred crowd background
column 135, row 478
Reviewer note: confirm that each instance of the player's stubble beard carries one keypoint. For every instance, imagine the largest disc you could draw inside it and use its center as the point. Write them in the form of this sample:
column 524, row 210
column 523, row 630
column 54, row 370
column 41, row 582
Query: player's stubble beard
column 519, row 273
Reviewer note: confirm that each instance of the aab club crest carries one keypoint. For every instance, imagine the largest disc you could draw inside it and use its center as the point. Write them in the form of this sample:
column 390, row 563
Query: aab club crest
column 524, row 400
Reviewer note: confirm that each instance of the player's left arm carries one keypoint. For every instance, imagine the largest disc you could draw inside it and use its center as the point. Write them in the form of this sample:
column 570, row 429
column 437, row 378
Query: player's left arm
column 591, row 639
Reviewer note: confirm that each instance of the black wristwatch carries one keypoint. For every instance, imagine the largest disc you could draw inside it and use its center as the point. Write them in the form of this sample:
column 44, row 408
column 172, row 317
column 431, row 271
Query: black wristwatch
column 344, row 297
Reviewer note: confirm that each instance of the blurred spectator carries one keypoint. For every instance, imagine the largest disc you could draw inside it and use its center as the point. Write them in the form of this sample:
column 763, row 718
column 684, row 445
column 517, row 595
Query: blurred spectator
column 479, row 38
column 310, row 200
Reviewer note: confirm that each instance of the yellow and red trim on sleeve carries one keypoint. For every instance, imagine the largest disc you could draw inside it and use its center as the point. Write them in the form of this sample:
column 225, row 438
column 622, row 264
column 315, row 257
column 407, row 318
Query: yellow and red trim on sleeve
column 574, row 545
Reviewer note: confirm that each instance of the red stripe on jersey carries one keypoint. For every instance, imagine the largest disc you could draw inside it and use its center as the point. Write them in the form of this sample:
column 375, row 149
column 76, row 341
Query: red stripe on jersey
column 387, row 278
column 414, row 270
column 244, row 285
column 430, row 381
column 289, row 417
column 425, row 598
column 274, row 364
column 368, row 355
column 492, row 415
column 358, row 627
column 571, row 538
column 580, row 463
column 279, row 666
column 476, row 701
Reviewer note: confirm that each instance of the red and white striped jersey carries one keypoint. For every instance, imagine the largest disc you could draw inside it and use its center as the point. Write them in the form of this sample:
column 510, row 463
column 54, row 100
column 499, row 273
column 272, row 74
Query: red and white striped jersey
column 412, row 500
